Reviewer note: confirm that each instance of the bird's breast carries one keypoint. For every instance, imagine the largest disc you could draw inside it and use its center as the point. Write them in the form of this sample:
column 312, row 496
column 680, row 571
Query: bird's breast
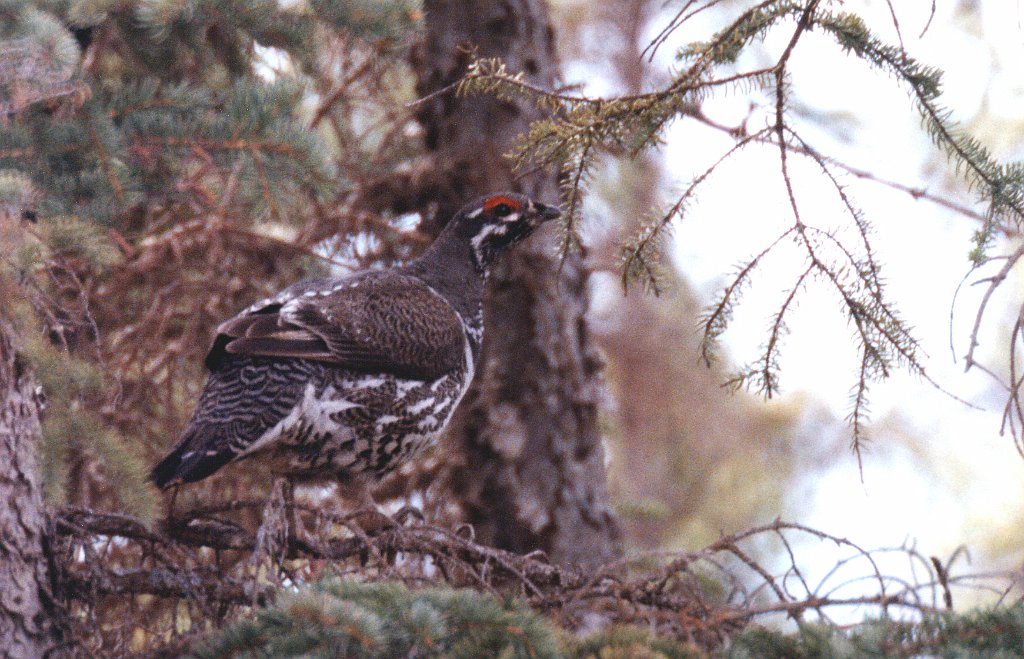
column 350, row 425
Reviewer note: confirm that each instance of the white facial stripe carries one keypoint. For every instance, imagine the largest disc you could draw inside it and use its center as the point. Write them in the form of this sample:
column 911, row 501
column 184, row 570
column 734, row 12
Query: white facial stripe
column 477, row 241
column 512, row 217
column 475, row 213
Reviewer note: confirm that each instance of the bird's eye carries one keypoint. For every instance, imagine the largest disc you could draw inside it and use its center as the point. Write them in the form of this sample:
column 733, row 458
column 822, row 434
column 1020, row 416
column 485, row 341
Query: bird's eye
column 501, row 210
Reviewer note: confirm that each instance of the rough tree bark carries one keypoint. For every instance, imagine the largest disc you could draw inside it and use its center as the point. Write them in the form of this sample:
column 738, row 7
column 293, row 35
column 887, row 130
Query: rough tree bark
column 525, row 459
column 29, row 616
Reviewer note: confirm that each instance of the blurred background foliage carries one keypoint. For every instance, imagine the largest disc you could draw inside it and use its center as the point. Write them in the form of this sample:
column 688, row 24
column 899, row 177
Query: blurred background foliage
column 162, row 165
column 178, row 171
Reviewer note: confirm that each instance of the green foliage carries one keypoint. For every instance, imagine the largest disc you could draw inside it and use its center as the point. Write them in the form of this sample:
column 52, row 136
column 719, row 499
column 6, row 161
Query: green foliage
column 134, row 131
column 124, row 142
column 725, row 46
column 67, row 236
column 377, row 19
column 74, row 431
column 156, row 159
column 17, row 194
column 991, row 632
column 335, row 617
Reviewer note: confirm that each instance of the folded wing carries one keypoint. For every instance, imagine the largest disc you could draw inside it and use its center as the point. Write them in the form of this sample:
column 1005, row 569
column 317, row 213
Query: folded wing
column 397, row 325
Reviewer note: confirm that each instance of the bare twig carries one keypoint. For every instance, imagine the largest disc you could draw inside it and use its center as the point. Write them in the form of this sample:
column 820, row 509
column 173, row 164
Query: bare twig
column 670, row 597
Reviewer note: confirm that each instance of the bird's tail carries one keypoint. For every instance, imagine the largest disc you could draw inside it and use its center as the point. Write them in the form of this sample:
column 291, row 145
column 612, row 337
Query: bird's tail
column 190, row 461
column 241, row 401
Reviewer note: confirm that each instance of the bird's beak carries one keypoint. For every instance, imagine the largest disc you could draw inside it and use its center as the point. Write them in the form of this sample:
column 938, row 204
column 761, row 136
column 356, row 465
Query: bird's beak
column 545, row 213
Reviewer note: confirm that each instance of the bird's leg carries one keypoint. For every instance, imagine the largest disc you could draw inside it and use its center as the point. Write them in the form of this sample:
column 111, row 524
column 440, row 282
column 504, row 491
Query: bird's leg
column 291, row 515
column 272, row 536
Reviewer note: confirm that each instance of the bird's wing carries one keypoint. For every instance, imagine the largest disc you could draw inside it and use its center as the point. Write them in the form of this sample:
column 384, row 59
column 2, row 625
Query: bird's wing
column 381, row 322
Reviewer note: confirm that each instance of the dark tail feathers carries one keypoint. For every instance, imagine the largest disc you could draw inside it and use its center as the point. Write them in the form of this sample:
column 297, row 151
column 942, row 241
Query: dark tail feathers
column 187, row 465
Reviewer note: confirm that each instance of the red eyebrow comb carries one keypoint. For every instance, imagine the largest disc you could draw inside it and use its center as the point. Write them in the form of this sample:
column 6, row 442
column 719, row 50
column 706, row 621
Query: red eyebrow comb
column 499, row 200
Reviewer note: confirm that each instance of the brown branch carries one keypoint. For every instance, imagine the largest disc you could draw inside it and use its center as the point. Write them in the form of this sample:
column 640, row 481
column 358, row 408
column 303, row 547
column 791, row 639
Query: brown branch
column 183, row 584
column 336, row 95
column 994, row 282
column 463, row 562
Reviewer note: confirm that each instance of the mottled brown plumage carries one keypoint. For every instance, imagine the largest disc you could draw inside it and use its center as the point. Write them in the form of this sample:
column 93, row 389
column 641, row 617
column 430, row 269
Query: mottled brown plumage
column 377, row 321
column 347, row 378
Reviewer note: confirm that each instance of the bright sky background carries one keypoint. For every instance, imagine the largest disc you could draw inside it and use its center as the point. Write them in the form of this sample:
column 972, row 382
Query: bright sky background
column 957, row 481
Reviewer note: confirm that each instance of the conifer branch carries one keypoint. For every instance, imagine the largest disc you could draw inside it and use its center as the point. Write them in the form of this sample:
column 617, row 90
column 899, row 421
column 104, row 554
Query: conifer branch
column 582, row 125
column 1001, row 185
column 104, row 158
column 641, row 256
column 716, row 320
column 669, row 597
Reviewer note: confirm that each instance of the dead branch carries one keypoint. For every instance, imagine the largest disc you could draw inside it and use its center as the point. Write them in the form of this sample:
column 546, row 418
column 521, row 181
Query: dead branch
column 166, row 583
column 118, row 555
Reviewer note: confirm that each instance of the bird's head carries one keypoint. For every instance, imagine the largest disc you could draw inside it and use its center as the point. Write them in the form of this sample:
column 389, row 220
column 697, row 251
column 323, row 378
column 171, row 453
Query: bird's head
column 493, row 223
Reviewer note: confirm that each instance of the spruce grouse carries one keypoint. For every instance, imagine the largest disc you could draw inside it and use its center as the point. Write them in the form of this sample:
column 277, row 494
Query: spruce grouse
column 346, row 379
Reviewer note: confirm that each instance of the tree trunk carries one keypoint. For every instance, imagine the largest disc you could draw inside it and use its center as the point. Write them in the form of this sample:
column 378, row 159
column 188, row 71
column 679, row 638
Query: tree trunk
column 29, row 616
column 525, row 460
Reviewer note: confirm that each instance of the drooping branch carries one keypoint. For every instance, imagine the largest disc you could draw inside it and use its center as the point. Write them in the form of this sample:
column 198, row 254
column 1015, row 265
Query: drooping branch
column 579, row 127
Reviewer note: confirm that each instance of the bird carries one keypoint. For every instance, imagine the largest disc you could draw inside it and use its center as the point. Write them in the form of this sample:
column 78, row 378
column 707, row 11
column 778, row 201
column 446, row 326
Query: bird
column 345, row 379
